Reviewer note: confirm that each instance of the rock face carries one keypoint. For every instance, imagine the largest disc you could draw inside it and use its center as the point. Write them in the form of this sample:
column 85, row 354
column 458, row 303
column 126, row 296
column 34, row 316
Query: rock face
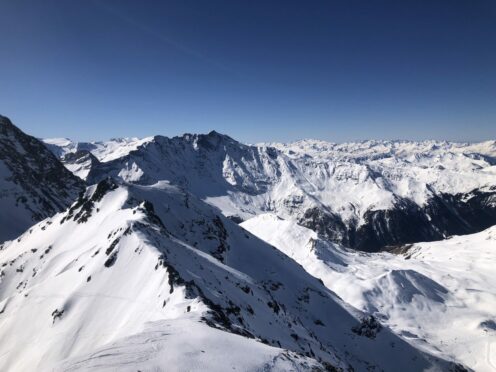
column 33, row 182
column 366, row 195
column 138, row 275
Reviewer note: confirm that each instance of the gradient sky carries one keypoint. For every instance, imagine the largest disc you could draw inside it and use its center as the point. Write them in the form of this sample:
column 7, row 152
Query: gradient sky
column 256, row 70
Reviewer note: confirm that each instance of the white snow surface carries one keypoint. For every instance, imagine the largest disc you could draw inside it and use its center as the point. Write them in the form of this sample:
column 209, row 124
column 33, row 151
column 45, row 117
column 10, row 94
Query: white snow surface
column 440, row 296
column 151, row 278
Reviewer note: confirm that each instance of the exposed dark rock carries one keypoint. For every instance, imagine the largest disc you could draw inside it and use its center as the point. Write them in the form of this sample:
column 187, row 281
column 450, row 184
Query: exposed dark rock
column 57, row 314
column 368, row 327
column 111, row 260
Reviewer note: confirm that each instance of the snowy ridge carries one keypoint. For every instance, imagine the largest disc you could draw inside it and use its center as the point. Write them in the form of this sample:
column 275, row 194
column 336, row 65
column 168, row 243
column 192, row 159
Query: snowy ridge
column 439, row 296
column 129, row 271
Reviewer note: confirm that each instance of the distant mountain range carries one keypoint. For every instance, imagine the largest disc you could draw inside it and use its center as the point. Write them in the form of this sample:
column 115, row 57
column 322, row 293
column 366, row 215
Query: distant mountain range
column 367, row 195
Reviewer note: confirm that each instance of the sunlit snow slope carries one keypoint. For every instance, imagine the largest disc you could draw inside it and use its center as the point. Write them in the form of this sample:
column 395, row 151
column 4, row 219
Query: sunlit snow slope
column 151, row 278
column 441, row 296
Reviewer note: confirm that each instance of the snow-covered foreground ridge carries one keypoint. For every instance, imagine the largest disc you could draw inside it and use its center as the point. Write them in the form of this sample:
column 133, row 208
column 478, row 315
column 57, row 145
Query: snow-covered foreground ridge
column 151, row 278
column 440, row 296
column 365, row 195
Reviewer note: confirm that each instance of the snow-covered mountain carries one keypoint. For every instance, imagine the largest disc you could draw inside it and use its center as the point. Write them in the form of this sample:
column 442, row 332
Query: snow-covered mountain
column 33, row 183
column 365, row 195
column 135, row 277
column 149, row 270
column 440, row 296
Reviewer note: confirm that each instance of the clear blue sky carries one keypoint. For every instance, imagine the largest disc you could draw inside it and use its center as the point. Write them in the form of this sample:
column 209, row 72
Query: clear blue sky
column 256, row 70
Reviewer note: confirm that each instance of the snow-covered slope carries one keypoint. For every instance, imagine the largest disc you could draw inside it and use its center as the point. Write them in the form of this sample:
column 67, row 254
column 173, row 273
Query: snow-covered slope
column 439, row 295
column 364, row 195
column 150, row 278
column 33, row 183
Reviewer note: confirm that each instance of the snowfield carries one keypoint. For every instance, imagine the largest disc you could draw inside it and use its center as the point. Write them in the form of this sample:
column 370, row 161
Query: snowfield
column 440, row 296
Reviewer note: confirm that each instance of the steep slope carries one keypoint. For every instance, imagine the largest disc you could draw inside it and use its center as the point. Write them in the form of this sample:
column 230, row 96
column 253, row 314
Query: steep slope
column 134, row 276
column 33, row 183
column 438, row 295
column 365, row 195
